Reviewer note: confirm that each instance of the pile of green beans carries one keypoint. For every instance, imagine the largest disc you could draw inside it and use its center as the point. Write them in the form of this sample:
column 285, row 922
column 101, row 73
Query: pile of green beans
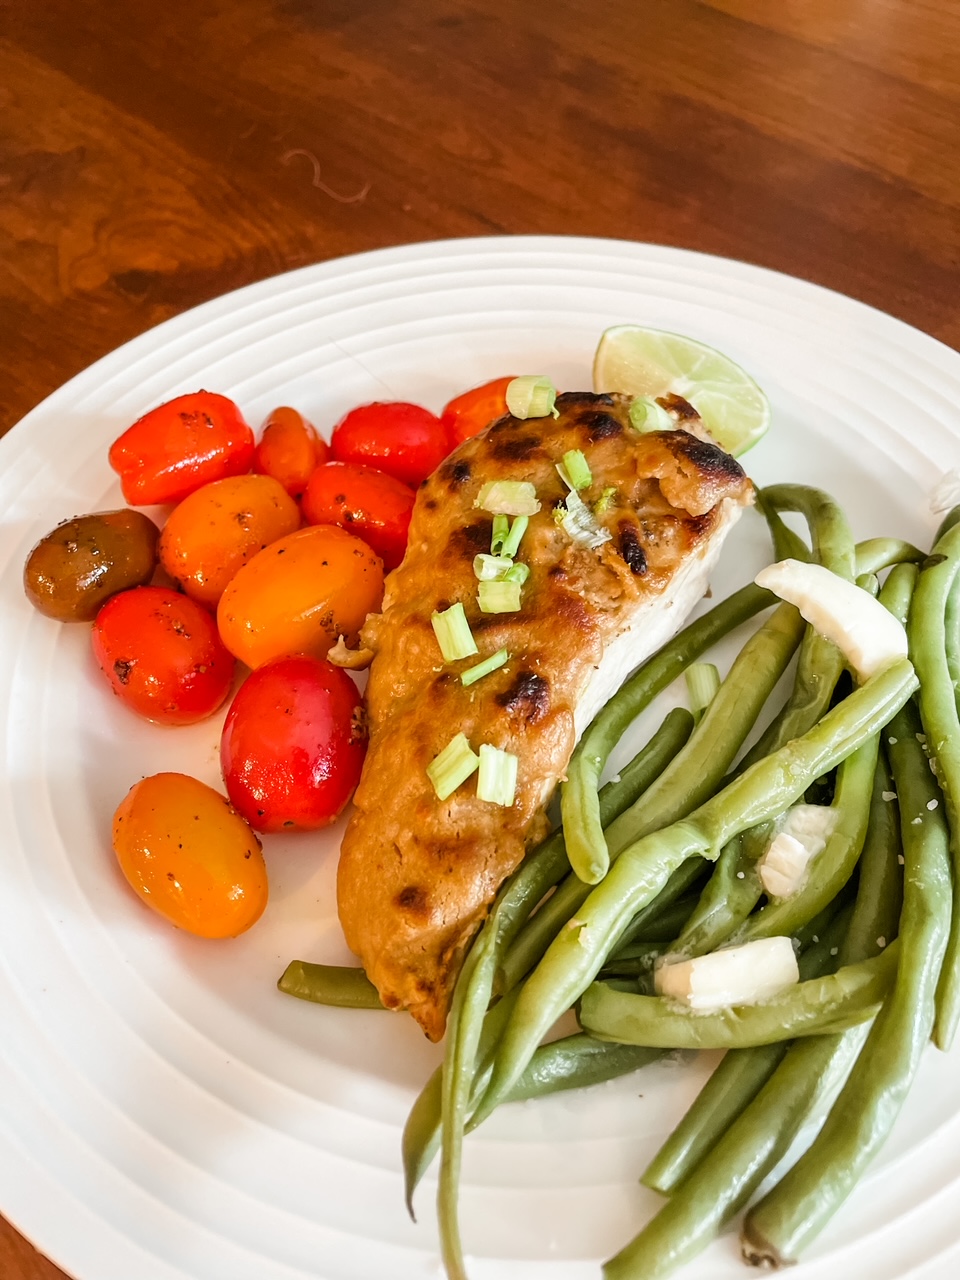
column 664, row 861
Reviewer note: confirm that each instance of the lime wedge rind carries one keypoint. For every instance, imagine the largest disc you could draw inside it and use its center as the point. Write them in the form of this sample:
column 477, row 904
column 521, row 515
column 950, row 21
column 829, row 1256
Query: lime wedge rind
column 637, row 360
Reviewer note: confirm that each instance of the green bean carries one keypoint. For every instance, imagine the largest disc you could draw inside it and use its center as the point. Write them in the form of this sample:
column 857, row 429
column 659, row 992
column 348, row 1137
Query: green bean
column 793, row 1213
column 662, row 927
column 577, row 1061
column 816, row 1007
column 875, row 554
column 876, row 916
column 941, row 724
column 724, row 1181
column 333, row 984
column 759, row 794
column 830, row 533
column 730, row 895
column 579, row 806
column 787, row 545
column 946, row 524
column 836, row 863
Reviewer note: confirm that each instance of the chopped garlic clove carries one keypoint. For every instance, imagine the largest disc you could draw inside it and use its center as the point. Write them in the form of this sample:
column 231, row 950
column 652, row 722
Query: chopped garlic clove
column 740, row 975
column 869, row 637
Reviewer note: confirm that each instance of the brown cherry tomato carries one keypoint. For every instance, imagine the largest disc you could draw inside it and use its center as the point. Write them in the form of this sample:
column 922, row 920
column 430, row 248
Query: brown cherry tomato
column 405, row 440
column 468, row 414
column 293, row 745
column 289, row 450
column 162, row 655
column 217, row 529
column 299, row 595
column 78, row 566
column 190, row 856
column 181, row 445
column 363, row 501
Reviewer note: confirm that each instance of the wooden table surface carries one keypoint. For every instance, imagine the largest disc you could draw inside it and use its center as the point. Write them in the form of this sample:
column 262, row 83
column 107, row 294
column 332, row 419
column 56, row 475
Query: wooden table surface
column 154, row 156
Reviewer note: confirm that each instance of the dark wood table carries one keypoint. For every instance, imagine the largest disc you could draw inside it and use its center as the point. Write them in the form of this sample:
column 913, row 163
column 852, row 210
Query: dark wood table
column 154, row 156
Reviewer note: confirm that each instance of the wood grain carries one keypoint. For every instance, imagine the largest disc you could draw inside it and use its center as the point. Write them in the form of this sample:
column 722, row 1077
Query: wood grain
column 152, row 157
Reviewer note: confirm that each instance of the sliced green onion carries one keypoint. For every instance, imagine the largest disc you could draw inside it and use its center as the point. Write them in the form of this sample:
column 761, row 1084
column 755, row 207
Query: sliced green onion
column 490, row 568
column 499, row 597
column 532, row 396
column 647, row 415
column 508, row 498
column 511, row 543
column 578, row 522
column 453, row 633
column 703, row 681
column 497, row 781
column 501, row 531
column 453, row 765
column 606, row 497
column 575, row 470
column 517, row 573
column 493, row 663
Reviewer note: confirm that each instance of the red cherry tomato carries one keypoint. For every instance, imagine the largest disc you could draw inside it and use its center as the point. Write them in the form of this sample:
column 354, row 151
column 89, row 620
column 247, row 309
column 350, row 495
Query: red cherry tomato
column 181, row 445
column 365, row 502
column 467, row 415
column 404, row 440
column 289, row 450
column 162, row 654
column 293, row 745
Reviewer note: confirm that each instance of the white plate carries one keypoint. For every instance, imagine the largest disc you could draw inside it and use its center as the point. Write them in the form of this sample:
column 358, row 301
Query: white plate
column 164, row 1113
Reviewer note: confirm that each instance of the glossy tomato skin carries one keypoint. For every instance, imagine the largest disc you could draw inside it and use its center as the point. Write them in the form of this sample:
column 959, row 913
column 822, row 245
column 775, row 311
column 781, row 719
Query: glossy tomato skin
column 299, row 595
column 293, row 745
column 189, row 856
column 162, row 655
column 181, row 445
column 289, row 450
column 468, row 414
column 215, row 530
column 364, row 501
column 405, row 440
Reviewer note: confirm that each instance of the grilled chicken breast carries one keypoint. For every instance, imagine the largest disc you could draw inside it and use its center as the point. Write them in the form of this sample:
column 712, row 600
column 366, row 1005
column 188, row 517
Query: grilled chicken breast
column 416, row 874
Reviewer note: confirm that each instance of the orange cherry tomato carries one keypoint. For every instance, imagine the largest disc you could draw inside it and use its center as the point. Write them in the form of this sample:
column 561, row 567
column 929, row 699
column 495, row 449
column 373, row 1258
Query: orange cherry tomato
column 180, row 446
column 364, row 501
column 467, row 415
column 289, row 450
column 190, row 856
column 299, row 594
column 162, row 655
column 217, row 529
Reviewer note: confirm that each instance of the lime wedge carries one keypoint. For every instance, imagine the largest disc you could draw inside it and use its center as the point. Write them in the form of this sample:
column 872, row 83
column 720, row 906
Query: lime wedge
column 652, row 362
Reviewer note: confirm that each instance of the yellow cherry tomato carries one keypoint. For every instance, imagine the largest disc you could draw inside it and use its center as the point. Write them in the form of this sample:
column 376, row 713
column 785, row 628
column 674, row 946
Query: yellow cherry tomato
column 299, row 594
column 217, row 529
column 190, row 856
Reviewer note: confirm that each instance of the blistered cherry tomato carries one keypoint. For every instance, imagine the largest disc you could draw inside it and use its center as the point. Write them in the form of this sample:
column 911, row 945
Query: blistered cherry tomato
column 404, row 440
column 299, row 594
column 467, row 415
column 293, row 745
column 364, row 501
column 289, row 450
column 190, row 856
column 162, row 655
column 217, row 529
column 180, row 446
column 80, row 564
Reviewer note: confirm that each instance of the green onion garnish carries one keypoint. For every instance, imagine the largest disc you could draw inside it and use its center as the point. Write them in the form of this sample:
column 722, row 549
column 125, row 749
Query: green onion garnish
column 606, row 497
column 490, row 568
column 508, row 498
column 453, row 765
column 511, row 543
column 647, row 415
column 517, row 573
column 501, row 531
column 575, row 470
column 497, row 781
column 453, row 633
column 703, row 681
column 578, row 522
column 532, row 396
column 493, row 663
column 499, row 597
